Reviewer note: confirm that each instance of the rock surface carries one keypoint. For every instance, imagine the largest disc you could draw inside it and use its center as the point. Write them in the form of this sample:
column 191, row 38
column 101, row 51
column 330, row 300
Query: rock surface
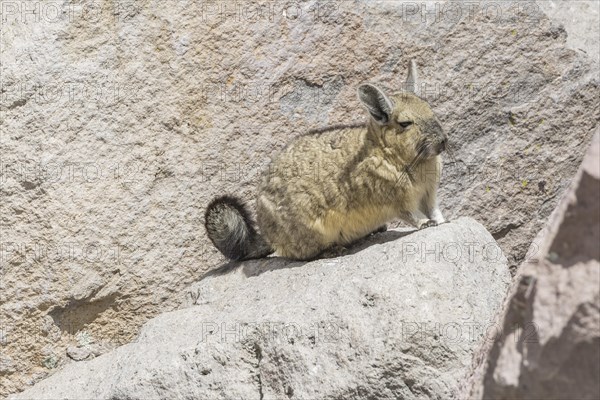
column 581, row 20
column 550, row 344
column 398, row 317
column 120, row 121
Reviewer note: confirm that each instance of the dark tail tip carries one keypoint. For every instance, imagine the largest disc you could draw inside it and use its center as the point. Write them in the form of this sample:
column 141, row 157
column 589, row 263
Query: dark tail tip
column 230, row 227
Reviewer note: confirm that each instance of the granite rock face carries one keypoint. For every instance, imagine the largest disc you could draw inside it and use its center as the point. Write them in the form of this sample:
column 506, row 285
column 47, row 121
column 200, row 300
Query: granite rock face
column 580, row 19
column 550, row 342
column 120, row 120
column 397, row 317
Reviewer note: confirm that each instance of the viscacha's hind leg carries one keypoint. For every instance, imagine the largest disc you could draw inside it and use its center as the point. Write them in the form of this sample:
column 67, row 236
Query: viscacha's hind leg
column 381, row 229
column 300, row 243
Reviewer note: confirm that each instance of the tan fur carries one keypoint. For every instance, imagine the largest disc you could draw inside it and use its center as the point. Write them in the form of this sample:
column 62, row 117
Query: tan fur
column 338, row 185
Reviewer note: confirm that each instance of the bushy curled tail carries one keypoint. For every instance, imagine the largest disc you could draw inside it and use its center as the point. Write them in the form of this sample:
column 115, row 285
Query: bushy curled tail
column 231, row 229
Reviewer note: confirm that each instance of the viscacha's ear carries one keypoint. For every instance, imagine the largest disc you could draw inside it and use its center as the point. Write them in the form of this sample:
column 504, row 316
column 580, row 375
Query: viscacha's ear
column 413, row 84
column 377, row 103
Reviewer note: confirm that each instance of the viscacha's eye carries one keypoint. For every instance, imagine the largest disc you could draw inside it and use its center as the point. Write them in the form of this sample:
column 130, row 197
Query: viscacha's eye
column 405, row 124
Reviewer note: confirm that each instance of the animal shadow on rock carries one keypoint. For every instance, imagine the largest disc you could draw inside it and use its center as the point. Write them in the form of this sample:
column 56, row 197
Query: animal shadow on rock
column 252, row 268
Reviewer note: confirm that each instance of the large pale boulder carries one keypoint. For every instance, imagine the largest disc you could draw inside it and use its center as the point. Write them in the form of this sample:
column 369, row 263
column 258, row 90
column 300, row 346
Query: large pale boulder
column 550, row 342
column 120, row 120
column 398, row 317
